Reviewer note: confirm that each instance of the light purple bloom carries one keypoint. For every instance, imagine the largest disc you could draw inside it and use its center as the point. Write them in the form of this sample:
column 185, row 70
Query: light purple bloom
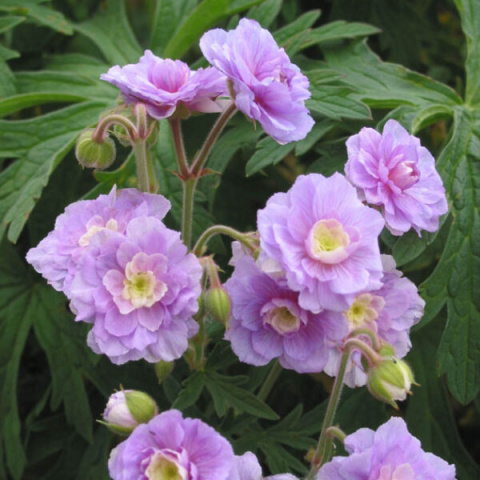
column 267, row 322
column 325, row 240
column 57, row 255
column 390, row 453
column 140, row 291
column 246, row 467
column 390, row 312
column 164, row 84
column 170, row 446
column 117, row 411
column 394, row 171
column 268, row 87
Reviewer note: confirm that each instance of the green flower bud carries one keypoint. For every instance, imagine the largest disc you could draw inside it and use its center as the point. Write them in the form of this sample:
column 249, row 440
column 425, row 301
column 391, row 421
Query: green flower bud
column 92, row 154
column 217, row 304
column 390, row 380
column 163, row 370
column 128, row 408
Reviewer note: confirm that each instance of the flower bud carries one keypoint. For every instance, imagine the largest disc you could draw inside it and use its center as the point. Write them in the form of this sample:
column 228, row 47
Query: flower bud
column 217, row 304
column 92, row 154
column 128, row 408
column 390, row 380
column 163, row 370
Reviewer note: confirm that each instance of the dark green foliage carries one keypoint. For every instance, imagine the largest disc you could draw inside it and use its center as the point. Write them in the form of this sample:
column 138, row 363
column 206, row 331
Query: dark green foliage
column 367, row 61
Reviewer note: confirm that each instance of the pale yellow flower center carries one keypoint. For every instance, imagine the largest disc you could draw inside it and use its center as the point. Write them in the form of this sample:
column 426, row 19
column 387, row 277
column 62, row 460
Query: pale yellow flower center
column 84, row 240
column 282, row 320
column 161, row 468
column 364, row 309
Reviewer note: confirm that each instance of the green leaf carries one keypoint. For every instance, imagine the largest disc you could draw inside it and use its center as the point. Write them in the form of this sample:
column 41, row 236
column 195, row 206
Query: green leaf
column 429, row 115
column 40, row 144
column 429, row 415
column 385, row 85
column 7, row 80
column 226, row 392
column 470, row 16
column 268, row 152
column 110, row 31
column 64, row 343
column 456, row 278
column 285, row 34
column 339, row 30
column 192, row 388
column 18, row 305
column 169, row 15
column 265, row 13
column 9, row 22
column 45, row 16
column 337, row 102
column 316, row 133
column 205, row 16
column 409, row 246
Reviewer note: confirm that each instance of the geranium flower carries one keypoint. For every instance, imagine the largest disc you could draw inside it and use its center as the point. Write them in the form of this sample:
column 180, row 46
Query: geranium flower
column 174, row 448
column 267, row 322
column 164, row 84
column 390, row 453
column 268, row 87
column 393, row 171
column 324, row 239
column 139, row 290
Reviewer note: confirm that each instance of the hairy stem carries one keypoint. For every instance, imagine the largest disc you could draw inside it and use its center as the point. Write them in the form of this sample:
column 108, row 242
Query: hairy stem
column 141, row 157
column 182, row 163
column 221, row 230
column 187, row 212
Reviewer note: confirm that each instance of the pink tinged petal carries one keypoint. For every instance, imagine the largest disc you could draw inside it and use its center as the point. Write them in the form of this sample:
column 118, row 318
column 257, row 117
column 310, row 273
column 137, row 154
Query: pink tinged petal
column 241, row 341
column 119, row 325
column 113, row 282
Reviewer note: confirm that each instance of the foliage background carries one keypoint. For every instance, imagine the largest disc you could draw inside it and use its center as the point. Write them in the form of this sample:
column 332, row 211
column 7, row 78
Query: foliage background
column 367, row 60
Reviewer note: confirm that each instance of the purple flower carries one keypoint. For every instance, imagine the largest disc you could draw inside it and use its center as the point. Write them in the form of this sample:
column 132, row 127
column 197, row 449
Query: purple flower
column 246, row 467
column 390, row 453
column 56, row 256
column 325, row 240
column 394, row 171
column 390, row 312
column 267, row 322
column 140, row 291
column 267, row 86
column 164, row 84
column 172, row 447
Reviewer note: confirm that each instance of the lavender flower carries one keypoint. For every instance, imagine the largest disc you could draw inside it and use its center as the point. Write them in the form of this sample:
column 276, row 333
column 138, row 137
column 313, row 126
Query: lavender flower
column 325, row 240
column 267, row 322
column 139, row 290
column 390, row 312
column 394, row 171
column 268, row 88
column 246, row 467
column 390, row 453
column 172, row 447
column 164, row 84
column 56, row 256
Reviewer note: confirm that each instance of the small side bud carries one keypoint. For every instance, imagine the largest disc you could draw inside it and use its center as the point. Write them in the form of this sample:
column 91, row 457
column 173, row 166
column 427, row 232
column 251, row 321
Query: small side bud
column 217, row 304
column 163, row 370
column 390, row 380
column 93, row 154
column 127, row 409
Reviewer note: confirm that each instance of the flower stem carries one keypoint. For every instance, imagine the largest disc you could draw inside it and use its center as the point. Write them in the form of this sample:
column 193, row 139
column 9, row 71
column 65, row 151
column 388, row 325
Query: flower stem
column 322, row 451
column 368, row 352
column 176, row 129
column 187, row 212
column 269, row 382
column 217, row 128
column 336, row 433
column 377, row 344
column 104, row 124
column 221, row 230
column 140, row 152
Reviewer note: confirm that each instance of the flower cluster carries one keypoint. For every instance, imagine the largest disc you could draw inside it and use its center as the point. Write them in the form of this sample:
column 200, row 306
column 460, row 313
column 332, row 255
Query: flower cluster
column 319, row 277
column 126, row 273
column 266, row 86
column 389, row 453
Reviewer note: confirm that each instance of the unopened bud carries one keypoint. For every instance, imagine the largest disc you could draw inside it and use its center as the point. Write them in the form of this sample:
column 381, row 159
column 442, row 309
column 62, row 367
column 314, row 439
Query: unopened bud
column 390, row 380
column 127, row 409
column 93, row 154
column 217, row 304
column 163, row 370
